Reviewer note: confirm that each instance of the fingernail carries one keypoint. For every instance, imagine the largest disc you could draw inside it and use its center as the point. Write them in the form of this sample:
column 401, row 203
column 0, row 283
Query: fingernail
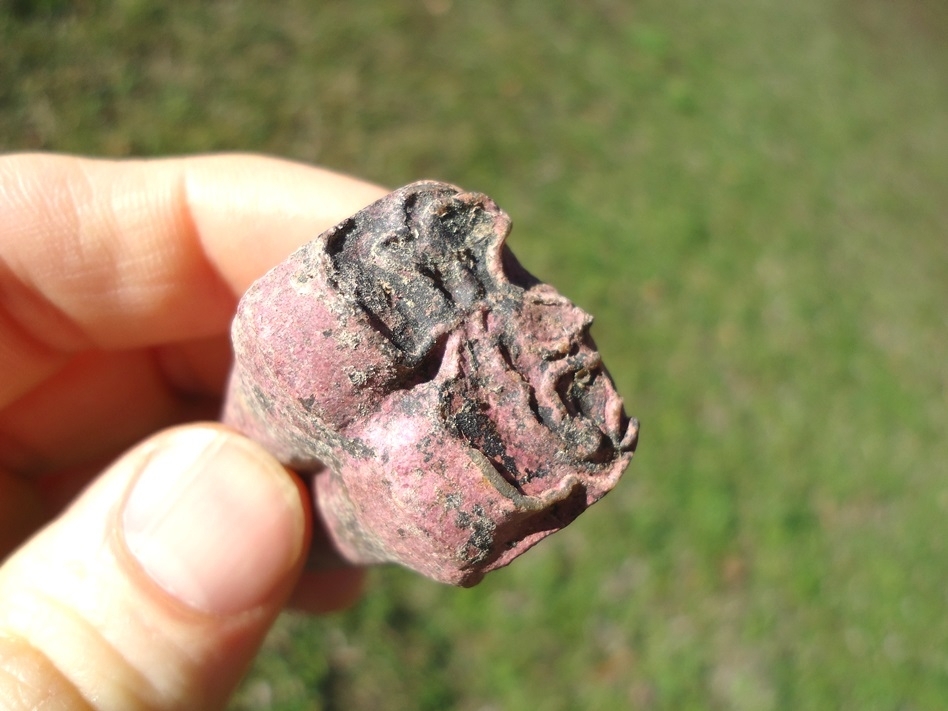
column 213, row 521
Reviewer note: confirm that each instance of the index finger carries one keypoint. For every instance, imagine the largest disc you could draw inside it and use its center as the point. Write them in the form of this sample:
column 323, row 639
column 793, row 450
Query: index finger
column 124, row 254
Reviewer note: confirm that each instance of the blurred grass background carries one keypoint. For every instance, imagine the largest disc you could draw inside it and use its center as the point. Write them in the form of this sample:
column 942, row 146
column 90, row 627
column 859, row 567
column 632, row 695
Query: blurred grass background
column 751, row 196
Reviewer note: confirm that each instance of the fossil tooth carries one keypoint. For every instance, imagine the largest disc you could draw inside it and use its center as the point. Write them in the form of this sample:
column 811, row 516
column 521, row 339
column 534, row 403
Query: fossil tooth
column 458, row 404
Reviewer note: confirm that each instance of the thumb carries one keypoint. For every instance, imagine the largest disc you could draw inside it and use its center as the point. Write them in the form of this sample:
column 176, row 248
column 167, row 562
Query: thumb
column 156, row 587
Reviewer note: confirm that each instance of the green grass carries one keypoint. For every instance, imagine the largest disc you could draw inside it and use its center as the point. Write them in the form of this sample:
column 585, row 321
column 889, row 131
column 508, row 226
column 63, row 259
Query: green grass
column 750, row 196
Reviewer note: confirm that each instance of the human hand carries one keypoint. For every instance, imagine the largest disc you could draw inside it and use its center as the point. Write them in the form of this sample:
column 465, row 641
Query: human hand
column 154, row 586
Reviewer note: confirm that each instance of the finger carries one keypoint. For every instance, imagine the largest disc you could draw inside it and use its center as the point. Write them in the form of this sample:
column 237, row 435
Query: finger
column 102, row 402
column 156, row 587
column 56, row 438
column 322, row 591
column 327, row 582
column 21, row 511
column 125, row 254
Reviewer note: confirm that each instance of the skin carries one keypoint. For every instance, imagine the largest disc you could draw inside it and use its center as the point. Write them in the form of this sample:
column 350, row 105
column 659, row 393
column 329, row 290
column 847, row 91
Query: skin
column 118, row 282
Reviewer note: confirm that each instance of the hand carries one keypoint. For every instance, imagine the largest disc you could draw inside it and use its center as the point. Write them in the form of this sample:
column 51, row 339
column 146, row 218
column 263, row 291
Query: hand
column 154, row 586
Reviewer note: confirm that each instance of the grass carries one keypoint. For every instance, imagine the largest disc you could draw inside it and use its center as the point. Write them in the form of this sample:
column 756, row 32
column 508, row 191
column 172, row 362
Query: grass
column 749, row 195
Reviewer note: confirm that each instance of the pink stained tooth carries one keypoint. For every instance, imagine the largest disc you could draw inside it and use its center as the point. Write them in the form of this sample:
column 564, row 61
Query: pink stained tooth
column 451, row 409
